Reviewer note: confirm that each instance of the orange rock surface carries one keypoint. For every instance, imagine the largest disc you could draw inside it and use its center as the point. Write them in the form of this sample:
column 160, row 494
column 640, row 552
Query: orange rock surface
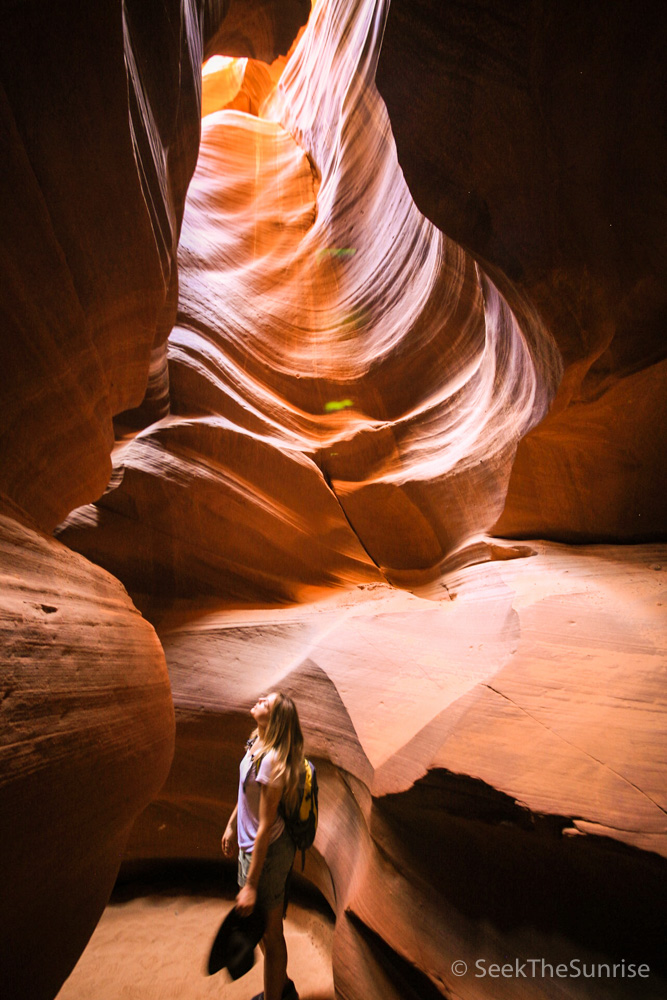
column 324, row 402
column 86, row 739
column 99, row 153
column 100, row 108
column 538, row 144
column 469, row 749
column 331, row 327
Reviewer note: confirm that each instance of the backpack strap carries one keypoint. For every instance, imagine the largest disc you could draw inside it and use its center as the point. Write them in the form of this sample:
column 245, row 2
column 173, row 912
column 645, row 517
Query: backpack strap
column 253, row 763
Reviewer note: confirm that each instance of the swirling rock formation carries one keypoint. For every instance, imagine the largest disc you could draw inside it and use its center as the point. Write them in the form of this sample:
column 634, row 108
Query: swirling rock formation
column 100, row 112
column 538, row 144
column 328, row 323
column 348, row 388
column 338, row 407
column 99, row 151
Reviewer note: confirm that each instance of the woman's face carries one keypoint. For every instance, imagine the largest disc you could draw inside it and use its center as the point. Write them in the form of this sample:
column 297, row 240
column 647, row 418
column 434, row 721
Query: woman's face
column 261, row 710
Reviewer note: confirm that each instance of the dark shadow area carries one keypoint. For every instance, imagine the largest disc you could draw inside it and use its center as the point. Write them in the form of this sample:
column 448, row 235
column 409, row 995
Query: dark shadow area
column 411, row 983
column 207, row 879
column 496, row 863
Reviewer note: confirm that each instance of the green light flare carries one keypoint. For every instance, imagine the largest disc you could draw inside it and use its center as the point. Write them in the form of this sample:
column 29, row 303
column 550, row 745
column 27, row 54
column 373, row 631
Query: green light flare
column 337, row 404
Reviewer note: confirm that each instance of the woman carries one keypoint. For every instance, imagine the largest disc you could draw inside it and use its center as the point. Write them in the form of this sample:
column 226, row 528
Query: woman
column 269, row 774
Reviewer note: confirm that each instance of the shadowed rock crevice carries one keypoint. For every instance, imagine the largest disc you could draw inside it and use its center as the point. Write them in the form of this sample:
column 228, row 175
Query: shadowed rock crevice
column 384, row 969
column 521, row 874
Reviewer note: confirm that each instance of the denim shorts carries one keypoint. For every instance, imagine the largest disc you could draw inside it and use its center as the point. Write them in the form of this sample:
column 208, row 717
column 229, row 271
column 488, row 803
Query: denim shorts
column 275, row 871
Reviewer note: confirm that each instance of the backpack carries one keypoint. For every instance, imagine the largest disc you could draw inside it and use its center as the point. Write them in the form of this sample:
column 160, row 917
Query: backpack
column 301, row 822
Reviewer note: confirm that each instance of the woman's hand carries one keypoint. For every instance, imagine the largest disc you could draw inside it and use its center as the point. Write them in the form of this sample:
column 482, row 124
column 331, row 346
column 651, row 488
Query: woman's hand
column 230, row 844
column 246, row 899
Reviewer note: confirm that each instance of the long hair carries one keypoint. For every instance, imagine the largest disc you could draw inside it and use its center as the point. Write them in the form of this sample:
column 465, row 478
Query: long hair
column 283, row 735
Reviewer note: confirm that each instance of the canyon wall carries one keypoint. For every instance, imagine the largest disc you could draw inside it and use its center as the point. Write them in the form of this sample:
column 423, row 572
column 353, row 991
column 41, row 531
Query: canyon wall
column 489, row 759
column 100, row 109
column 87, row 739
column 336, row 368
column 535, row 139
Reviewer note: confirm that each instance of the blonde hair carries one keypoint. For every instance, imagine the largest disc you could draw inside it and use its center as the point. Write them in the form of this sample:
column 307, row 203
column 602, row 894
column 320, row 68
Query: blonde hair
column 284, row 737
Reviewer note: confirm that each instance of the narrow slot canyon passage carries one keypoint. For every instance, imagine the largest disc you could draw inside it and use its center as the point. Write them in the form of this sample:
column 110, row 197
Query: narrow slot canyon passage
column 334, row 364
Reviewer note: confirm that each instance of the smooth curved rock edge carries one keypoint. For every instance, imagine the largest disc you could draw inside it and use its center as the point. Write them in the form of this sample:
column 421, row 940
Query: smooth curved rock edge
column 323, row 324
column 537, row 142
column 86, row 740
column 100, row 138
column 99, row 152
column 467, row 750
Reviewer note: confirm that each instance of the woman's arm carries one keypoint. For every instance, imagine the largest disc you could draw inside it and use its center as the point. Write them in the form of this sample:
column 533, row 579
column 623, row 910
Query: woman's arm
column 269, row 800
column 229, row 842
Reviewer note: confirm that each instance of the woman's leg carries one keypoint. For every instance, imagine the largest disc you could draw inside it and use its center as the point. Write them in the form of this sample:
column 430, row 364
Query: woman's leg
column 275, row 955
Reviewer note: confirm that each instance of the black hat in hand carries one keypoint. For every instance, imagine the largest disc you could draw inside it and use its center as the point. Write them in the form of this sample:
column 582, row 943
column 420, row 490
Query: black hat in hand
column 235, row 943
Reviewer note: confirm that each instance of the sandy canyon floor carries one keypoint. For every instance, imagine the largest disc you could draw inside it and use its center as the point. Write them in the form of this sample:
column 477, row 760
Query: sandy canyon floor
column 153, row 940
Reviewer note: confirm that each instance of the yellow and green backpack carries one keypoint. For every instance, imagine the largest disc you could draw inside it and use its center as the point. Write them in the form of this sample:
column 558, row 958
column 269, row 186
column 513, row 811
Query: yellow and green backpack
column 301, row 822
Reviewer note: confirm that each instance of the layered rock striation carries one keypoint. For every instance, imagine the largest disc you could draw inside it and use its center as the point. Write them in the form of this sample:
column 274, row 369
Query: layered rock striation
column 86, row 739
column 100, row 148
column 324, row 400
column 330, row 326
column 100, row 109
column 489, row 763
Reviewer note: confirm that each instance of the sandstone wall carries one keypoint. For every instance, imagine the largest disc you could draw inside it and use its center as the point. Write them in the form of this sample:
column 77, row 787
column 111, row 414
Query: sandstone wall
column 350, row 399
column 535, row 139
column 100, row 110
column 490, row 764
column 87, row 738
